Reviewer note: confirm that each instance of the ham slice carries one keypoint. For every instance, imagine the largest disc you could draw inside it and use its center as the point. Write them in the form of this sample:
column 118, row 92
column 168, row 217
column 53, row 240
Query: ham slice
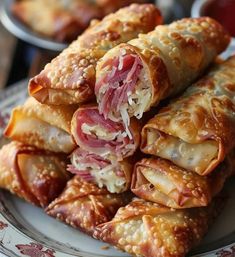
column 93, row 133
column 120, row 81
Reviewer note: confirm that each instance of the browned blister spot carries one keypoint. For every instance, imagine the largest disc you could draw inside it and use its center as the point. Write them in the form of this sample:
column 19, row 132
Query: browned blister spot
column 83, row 205
column 157, row 231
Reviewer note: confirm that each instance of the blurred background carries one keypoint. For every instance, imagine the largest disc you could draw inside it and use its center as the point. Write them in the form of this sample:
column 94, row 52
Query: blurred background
column 25, row 47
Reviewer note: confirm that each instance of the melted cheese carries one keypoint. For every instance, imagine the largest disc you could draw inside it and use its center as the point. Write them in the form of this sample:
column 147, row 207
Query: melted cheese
column 107, row 177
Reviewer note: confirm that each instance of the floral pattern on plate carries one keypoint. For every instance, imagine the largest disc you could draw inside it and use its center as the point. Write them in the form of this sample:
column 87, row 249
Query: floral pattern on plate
column 35, row 250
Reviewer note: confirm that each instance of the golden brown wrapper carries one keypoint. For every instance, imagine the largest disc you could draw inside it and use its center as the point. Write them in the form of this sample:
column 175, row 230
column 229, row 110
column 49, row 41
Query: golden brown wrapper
column 127, row 166
column 162, row 182
column 109, row 6
column 83, row 205
column 44, row 126
column 56, row 19
column 196, row 130
column 93, row 133
column 151, row 230
column 168, row 58
column 34, row 175
column 70, row 77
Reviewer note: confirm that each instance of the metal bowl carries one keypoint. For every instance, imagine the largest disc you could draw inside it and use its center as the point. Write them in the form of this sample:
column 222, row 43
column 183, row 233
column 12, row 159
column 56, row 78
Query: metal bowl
column 23, row 32
column 197, row 11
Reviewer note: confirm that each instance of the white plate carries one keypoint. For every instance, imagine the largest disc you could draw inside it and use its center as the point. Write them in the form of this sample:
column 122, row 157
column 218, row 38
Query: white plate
column 21, row 31
column 26, row 231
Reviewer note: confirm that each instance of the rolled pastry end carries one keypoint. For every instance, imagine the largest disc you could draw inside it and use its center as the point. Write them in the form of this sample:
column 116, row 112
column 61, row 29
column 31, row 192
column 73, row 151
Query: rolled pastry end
column 27, row 127
column 201, row 158
column 40, row 88
column 36, row 176
column 122, row 75
column 160, row 181
column 37, row 90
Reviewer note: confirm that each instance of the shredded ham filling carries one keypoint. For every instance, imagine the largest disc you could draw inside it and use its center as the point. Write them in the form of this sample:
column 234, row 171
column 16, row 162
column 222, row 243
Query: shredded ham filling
column 85, row 159
column 120, row 82
column 94, row 168
column 113, row 138
column 90, row 161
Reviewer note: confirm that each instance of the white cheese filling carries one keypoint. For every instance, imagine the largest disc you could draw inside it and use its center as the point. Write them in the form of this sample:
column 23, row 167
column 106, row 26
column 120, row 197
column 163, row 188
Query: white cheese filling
column 102, row 176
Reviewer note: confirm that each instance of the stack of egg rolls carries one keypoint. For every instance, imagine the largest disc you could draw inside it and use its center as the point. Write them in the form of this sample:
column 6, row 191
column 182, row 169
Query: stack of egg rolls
column 44, row 140
column 103, row 145
column 177, row 203
column 106, row 136
column 196, row 130
column 192, row 141
column 89, row 106
column 34, row 165
column 70, row 77
column 105, row 149
column 136, row 75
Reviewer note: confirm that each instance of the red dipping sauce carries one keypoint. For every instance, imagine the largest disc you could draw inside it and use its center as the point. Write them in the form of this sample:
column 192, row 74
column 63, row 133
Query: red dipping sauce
column 222, row 11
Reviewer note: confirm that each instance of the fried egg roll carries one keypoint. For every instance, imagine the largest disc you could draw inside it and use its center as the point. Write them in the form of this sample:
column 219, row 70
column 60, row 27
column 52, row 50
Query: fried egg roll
column 196, row 131
column 70, row 77
column 150, row 230
column 162, row 182
column 109, row 6
column 101, row 170
column 46, row 127
column 135, row 76
column 83, row 205
column 36, row 176
column 57, row 19
column 94, row 133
